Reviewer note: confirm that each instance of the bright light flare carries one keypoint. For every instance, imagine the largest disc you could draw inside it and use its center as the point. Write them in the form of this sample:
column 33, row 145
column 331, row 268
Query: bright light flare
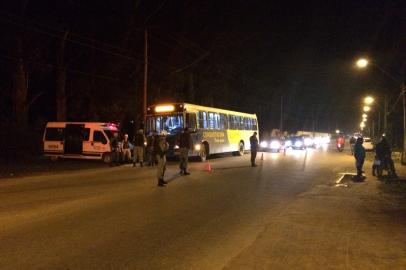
column 263, row 144
column 362, row 125
column 362, row 63
column 369, row 100
column 364, row 115
column 337, row 131
column 367, row 108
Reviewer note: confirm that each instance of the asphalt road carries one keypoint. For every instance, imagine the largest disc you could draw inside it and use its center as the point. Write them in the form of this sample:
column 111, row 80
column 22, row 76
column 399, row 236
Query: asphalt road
column 232, row 217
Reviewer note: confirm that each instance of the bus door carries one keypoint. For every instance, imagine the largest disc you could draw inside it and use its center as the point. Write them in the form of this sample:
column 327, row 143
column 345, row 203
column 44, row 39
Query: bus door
column 74, row 136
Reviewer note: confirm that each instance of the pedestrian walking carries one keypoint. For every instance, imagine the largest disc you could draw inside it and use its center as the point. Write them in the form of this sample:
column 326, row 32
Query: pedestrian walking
column 160, row 149
column 359, row 154
column 115, row 151
column 126, row 152
column 185, row 144
column 254, row 148
column 139, row 146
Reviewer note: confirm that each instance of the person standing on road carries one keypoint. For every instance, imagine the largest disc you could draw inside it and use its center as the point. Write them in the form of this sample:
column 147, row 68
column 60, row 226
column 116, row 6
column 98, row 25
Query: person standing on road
column 115, row 155
column 359, row 154
column 160, row 149
column 254, row 148
column 150, row 148
column 126, row 152
column 185, row 144
column 384, row 153
column 139, row 145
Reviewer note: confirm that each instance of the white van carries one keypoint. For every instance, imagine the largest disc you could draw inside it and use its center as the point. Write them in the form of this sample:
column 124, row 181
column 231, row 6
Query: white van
column 82, row 140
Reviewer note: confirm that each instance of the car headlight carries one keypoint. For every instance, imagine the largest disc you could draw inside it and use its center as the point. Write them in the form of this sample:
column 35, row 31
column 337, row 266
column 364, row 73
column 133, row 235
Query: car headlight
column 308, row 141
column 288, row 143
column 263, row 144
column 275, row 145
column 298, row 144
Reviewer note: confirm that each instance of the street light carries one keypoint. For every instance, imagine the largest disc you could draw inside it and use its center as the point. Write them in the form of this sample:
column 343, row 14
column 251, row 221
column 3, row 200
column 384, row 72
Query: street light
column 362, row 63
column 362, row 125
column 367, row 108
column 369, row 100
column 364, row 115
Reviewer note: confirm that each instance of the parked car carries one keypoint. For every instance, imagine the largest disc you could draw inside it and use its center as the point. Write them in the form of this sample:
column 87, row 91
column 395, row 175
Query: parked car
column 368, row 145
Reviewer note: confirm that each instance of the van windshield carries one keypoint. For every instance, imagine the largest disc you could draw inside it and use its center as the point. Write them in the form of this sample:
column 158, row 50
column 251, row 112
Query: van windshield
column 110, row 133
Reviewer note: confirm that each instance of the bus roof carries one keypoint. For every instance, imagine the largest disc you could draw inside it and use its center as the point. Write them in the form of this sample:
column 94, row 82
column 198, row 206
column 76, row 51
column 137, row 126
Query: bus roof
column 194, row 108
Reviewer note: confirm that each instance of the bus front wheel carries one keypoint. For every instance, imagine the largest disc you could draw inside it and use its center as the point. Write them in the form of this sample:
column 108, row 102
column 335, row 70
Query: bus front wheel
column 203, row 152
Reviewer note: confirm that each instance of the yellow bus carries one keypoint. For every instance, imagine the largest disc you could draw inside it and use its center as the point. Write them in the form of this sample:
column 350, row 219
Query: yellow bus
column 213, row 130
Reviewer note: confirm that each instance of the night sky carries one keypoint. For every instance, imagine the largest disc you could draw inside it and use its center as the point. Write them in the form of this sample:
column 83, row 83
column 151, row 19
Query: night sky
column 241, row 55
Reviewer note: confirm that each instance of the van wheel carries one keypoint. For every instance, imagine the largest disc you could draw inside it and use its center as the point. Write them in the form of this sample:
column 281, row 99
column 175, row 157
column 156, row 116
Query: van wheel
column 106, row 157
column 241, row 149
column 203, row 152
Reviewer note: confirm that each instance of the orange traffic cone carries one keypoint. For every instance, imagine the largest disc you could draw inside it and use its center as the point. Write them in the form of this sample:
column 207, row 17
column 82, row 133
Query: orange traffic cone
column 262, row 156
column 207, row 167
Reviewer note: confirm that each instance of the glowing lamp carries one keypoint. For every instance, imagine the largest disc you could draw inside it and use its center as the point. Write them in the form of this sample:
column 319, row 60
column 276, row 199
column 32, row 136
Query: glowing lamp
column 164, row 108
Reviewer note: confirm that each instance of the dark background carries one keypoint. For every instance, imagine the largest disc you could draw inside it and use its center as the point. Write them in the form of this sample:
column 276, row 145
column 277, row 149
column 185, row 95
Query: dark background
column 240, row 55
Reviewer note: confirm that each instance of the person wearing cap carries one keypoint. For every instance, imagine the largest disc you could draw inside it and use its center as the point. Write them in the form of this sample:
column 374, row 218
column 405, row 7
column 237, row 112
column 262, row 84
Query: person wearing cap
column 254, row 148
column 160, row 149
column 139, row 145
column 185, row 144
column 125, row 146
column 359, row 154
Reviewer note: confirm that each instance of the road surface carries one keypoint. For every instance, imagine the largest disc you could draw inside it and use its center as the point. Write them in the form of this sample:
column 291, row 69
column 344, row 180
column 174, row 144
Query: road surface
column 287, row 213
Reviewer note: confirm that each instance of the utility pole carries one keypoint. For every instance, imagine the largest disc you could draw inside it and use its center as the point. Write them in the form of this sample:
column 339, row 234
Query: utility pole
column 403, row 89
column 145, row 76
column 385, row 115
column 281, row 120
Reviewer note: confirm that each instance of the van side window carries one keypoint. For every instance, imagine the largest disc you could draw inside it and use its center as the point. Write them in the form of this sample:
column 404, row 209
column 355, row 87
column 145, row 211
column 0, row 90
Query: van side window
column 54, row 134
column 86, row 134
column 98, row 136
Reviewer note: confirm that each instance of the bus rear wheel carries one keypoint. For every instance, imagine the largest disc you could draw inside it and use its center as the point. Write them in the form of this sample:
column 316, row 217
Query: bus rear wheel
column 241, row 149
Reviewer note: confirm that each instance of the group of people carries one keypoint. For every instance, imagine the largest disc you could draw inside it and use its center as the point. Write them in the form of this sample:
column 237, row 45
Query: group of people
column 153, row 149
column 383, row 157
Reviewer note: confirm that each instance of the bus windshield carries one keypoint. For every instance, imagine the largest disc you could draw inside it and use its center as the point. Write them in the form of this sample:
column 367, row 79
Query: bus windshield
column 173, row 124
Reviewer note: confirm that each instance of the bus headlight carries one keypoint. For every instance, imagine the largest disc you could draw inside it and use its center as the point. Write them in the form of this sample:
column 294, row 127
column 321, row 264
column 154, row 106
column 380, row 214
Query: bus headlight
column 197, row 147
column 263, row 144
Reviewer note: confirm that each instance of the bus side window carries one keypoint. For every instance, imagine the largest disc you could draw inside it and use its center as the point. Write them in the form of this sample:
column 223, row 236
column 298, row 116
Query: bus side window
column 98, row 136
column 254, row 124
column 191, row 120
column 223, row 121
column 202, row 119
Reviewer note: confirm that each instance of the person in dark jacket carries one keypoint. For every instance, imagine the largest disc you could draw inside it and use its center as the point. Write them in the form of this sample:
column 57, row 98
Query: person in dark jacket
column 160, row 149
column 125, row 149
column 384, row 153
column 359, row 154
column 139, row 145
column 115, row 151
column 254, row 148
column 185, row 144
column 150, row 148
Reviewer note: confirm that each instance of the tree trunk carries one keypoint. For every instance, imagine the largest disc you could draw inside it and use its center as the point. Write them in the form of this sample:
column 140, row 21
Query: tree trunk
column 61, row 81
